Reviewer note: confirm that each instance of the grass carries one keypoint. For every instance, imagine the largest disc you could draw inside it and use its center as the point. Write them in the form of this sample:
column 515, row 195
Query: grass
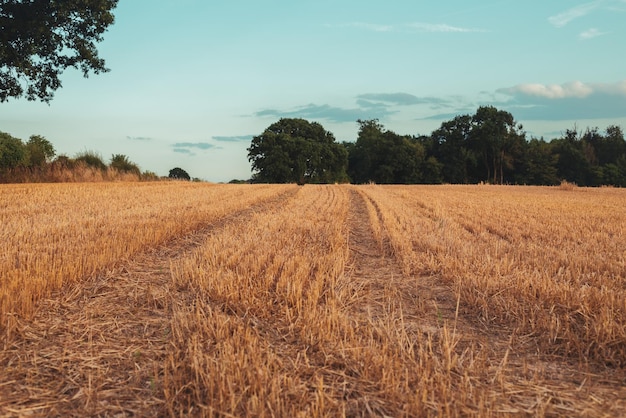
column 53, row 234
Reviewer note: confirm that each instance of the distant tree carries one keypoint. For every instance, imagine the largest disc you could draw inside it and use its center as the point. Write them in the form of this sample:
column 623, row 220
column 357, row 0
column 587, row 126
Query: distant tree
column 538, row 165
column 13, row 153
column 382, row 156
column 178, row 173
column 40, row 151
column 298, row 151
column 452, row 148
column 122, row 164
column 496, row 138
column 571, row 162
column 41, row 38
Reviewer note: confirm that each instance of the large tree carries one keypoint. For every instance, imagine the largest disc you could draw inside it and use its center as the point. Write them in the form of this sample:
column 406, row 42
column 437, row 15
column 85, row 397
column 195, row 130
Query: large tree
column 497, row 138
column 295, row 150
column 39, row 39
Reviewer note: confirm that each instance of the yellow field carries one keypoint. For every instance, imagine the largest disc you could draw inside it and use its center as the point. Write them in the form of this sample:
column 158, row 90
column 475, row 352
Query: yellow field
column 57, row 233
column 179, row 299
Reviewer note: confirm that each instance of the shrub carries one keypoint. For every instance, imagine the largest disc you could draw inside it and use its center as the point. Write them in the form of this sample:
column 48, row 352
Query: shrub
column 91, row 159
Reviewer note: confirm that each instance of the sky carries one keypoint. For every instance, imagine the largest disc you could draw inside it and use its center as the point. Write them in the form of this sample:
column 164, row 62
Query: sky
column 192, row 81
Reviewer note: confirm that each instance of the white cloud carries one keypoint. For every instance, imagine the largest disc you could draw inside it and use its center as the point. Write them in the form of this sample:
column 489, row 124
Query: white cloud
column 553, row 91
column 568, row 101
column 576, row 89
column 440, row 27
column 590, row 34
column 416, row 26
column 567, row 16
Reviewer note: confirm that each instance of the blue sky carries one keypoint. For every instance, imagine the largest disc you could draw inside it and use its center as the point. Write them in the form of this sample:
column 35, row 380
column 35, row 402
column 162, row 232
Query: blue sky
column 192, row 81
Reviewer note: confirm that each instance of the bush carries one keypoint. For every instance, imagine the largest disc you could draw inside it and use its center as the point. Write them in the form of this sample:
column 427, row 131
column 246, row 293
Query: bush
column 122, row 164
column 91, row 159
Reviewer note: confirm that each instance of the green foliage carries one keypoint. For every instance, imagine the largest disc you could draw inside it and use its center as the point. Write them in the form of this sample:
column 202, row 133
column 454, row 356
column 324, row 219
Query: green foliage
column 40, row 151
column 13, row 152
column 489, row 146
column 297, row 151
column 384, row 157
column 122, row 164
column 91, row 159
column 538, row 165
column 178, row 173
column 451, row 147
column 41, row 38
column 495, row 136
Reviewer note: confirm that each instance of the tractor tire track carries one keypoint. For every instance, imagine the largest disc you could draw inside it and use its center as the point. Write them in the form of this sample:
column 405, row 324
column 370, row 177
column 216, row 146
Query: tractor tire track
column 97, row 347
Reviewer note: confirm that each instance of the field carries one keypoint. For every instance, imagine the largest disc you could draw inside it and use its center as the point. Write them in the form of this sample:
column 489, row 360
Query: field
column 184, row 299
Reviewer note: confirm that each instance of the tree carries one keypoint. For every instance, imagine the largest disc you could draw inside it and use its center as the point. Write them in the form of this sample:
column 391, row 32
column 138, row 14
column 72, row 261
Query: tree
column 496, row 137
column 571, row 163
column 40, row 151
column 41, row 38
column 178, row 173
column 12, row 152
column 382, row 156
column 297, row 151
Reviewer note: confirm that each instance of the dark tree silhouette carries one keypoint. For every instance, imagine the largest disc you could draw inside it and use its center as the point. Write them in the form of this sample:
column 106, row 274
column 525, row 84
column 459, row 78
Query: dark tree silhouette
column 178, row 173
column 39, row 39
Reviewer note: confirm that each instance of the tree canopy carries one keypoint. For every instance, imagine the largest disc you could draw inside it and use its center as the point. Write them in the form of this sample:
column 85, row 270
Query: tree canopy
column 297, row 151
column 489, row 146
column 41, row 38
column 178, row 173
column 382, row 156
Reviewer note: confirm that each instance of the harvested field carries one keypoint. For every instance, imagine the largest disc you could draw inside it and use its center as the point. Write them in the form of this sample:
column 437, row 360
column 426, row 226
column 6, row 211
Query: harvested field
column 235, row 300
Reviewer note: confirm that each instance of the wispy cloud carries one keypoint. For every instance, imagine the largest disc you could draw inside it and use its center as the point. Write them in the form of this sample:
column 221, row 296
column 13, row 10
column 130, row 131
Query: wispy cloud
column 441, row 27
column 327, row 112
column 590, row 34
column 563, row 18
column 183, row 151
column 550, row 91
column 191, row 145
column 237, row 138
column 139, row 138
column 408, row 27
column 190, row 148
column 368, row 106
column 401, row 99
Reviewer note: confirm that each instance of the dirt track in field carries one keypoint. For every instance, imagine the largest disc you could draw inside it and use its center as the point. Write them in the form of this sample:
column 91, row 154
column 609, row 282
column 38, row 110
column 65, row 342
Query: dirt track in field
column 98, row 347
column 513, row 362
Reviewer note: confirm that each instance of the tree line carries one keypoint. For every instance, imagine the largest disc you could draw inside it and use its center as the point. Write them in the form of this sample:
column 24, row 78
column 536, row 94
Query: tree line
column 489, row 146
column 36, row 161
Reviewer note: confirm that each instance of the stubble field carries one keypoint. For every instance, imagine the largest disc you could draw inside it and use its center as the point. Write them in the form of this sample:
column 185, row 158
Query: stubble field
column 178, row 299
